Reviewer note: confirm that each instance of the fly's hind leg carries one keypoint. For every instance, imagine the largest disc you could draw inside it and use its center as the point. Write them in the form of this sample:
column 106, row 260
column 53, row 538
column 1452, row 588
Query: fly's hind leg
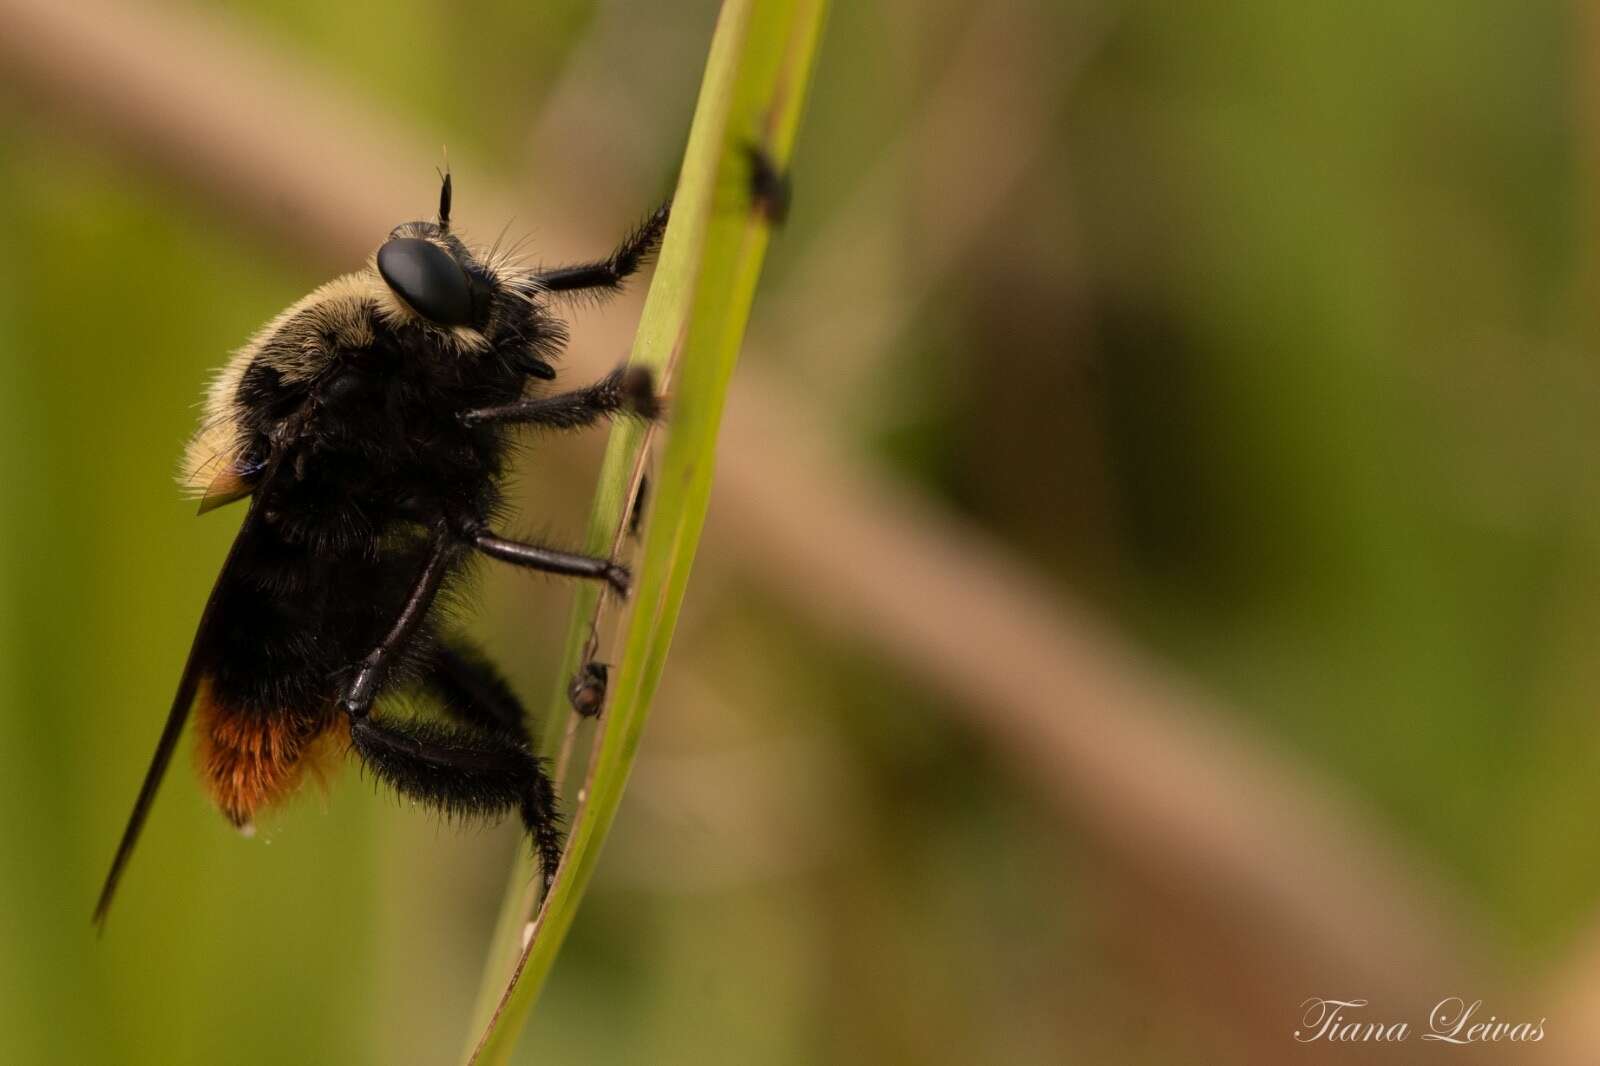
column 463, row 770
column 471, row 690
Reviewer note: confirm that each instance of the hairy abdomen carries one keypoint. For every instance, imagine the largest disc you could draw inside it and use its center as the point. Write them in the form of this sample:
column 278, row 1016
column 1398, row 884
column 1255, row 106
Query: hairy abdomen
column 249, row 758
column 291, row 622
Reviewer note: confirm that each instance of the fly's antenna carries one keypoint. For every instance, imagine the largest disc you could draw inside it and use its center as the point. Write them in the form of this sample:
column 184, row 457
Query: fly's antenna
column 444, row 195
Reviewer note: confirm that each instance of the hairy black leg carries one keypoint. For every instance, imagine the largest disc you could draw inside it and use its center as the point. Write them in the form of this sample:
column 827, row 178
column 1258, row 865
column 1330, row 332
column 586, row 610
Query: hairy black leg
column 770, row 188
column 359, row 694
column 609, row 273
column 550, row 560
column 626, row 390
column 473, row 691
column 463, row 771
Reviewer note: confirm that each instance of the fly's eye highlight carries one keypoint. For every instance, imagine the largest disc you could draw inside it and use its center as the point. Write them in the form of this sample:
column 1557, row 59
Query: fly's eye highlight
column 427, row 278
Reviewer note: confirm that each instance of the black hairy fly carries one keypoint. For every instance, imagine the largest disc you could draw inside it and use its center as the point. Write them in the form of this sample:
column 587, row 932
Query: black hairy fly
column 370, row 425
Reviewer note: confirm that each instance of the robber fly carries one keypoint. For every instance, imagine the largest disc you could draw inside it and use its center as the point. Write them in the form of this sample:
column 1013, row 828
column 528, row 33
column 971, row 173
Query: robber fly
column 370, row 426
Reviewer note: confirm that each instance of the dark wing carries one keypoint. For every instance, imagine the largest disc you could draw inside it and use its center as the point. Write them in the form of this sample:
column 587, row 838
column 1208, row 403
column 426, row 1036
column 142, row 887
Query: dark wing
column 181, row 702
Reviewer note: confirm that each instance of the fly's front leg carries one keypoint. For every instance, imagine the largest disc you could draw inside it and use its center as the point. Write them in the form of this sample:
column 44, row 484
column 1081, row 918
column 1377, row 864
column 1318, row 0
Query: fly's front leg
column 608, row 274
column 363, row 688
column 627, row 390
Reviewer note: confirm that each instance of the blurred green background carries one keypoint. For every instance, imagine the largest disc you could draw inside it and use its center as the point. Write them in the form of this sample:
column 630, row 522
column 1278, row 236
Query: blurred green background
column 1261, row 330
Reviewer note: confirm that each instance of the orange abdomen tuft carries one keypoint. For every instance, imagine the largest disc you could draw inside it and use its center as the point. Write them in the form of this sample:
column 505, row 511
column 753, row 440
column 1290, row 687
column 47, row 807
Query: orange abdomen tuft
column 250, row 760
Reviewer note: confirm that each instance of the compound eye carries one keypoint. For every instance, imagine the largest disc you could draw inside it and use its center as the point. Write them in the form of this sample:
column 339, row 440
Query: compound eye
column 426, row 277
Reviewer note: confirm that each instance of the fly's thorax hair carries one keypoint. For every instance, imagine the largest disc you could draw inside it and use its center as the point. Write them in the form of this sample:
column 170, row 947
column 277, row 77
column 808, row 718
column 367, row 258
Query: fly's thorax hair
column 297, row 344
column 344, row 315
